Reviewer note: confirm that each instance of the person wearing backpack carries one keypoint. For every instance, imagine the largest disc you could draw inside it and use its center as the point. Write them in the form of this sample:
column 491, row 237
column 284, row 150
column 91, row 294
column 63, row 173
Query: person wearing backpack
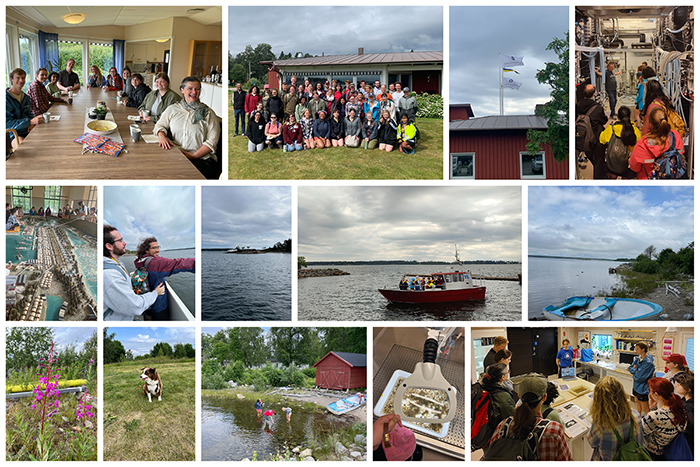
column 494, row 382
column 549, row 412
column 588, row 108
column 654, row 151
column 662, row 425
column 619, row 140
column 512, row 440
column 684, row 385
column 158, row 268
column 614, row 423
column 655, row 98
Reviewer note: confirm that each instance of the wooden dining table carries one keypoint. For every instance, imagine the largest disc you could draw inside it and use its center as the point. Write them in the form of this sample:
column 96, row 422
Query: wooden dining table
column 49, row 152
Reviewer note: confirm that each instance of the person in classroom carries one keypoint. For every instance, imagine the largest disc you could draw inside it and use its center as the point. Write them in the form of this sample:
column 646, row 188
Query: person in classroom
column 628, row 397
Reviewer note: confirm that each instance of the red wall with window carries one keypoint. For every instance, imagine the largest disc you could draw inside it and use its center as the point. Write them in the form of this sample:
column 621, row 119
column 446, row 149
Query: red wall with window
column 426, row 81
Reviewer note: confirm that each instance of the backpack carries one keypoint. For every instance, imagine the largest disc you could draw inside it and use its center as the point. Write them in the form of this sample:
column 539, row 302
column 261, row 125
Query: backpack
column 678, row 449
column 514, row 449
column 631, row 450
column 483, row 420
column 671, row 164
column 585, row 138
column 617, row 153
column 139, row 279
column 676, row 122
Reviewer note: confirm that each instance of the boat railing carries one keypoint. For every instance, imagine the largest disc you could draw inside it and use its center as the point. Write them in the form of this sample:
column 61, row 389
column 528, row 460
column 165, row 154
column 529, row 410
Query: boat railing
column 178, row 309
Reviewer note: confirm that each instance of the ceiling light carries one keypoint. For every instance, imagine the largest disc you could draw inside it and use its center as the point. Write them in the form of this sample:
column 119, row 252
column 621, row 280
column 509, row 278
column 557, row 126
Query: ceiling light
column 162, row 40
column 74, row 18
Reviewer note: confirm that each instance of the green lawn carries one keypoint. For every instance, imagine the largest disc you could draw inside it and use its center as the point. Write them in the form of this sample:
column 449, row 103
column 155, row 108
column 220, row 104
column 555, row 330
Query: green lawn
column 339, row 163
column 136, row 430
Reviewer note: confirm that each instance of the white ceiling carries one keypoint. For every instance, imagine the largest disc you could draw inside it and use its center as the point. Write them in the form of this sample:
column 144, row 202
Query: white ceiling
column 117, row 15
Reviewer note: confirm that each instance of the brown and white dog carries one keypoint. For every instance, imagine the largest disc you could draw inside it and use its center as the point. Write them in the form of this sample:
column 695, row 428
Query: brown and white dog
column 153, row 386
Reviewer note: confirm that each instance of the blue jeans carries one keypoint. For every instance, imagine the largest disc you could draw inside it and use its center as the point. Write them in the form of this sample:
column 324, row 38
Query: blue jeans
column 239, row 113
column 294, row 147
column 612, row 95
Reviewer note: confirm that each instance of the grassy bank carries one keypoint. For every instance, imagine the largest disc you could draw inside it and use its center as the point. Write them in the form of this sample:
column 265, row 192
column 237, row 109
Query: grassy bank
column 638, row 285
column 339, row 163
column 136, row 430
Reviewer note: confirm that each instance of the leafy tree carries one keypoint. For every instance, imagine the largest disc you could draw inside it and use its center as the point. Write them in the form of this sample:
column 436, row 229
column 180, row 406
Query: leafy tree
column 253, row 56
column 180, row 351
column 26, row 346
column 129, row 355
column 292, row 344
column 301, row 262
column 352, row 340
column 113, row 349
column 234, row 371
column 189, row 351
column 650, row 251
column 556, row 111
column 222, row 352
column 210, row 367
column 207, row 345
column 237, row 73
column 162, row 349
column 248, row 345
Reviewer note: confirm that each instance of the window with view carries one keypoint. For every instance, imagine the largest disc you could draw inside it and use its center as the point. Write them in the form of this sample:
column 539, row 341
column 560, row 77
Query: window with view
column 29, row 55
column 463, row 165
column 101, row 55
column 601, row 343
column 22, row 197
column 71, row 49
column 532, row 165
column 52, row 198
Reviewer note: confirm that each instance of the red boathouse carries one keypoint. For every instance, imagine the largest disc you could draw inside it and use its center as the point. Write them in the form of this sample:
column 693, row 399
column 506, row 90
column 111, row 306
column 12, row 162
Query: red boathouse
column 342, row 370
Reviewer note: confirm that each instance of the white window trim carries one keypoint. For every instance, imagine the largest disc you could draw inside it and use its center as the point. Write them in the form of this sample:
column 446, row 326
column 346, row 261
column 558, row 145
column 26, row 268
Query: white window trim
column 532, row 177
column 462, row 177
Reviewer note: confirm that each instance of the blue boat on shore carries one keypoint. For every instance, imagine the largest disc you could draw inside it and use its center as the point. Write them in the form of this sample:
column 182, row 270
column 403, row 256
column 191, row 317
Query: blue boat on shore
column 603, row 309
column 348, row 404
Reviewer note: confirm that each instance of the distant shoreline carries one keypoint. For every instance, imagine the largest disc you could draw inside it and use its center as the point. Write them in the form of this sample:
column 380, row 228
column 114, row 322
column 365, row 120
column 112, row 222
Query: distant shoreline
column 404, row 262
column 623, row 260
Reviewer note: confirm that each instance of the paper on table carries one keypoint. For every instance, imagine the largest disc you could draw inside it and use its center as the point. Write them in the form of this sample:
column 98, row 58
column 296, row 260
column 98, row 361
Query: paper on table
column 572, row 427
column 55, row 118
column 150, row 138
column 133, row 118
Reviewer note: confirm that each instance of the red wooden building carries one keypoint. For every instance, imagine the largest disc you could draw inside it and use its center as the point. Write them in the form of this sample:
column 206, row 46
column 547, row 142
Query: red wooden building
column 495, row 147
column 342, row 370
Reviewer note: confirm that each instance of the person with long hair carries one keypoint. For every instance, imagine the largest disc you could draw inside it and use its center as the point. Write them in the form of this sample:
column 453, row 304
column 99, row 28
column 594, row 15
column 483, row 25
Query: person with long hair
column 307, row 126
column 548, row 411
column 493, row 381
column 655, row 98
column 685, row 388
column 533, row 392
column 642, row 368
column 628, row 133
column 337, row 128
column 387, row 131
column 653, row 143
column 252, row 100
column 669, row 418
column 610, row 412
column 114, row 82
column 95, row 80
column 292, row 135
column 675, row 364
column 256, row 131
column 505, row 356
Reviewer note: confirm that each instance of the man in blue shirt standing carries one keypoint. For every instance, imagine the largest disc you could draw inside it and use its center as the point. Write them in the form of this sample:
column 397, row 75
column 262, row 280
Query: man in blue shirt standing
column 565, row 356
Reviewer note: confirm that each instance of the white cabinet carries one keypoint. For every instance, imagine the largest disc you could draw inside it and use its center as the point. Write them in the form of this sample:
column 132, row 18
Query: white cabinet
column 140, row 53
column 212, row 96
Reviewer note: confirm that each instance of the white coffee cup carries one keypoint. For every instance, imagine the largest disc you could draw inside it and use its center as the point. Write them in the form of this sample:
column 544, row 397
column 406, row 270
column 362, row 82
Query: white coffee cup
column 47, row 117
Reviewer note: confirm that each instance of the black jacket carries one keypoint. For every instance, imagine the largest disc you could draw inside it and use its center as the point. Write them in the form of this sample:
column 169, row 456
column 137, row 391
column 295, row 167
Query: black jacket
column 137, row 95
column 598, row 118
column 387, row 132
column 275, row 106
column 239, row 100
column 256, row 131
column 338, row 129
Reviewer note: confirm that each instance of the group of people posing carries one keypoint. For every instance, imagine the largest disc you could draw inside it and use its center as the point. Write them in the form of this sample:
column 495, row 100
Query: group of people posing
column 644, row 144
column 324, row 115
column 665, row 408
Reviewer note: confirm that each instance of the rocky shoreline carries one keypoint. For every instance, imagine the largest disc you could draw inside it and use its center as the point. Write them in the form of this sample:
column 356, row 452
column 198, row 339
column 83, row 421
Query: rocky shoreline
column 310, row 272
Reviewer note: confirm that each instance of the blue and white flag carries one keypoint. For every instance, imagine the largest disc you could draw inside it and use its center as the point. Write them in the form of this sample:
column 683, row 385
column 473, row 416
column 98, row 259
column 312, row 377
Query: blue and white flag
column 511, row 60
column 511, row 83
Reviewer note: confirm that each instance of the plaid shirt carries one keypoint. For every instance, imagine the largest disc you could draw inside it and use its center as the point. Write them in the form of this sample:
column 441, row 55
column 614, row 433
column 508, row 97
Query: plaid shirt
column 40, row 99
column 552, row 445
column 604, row 442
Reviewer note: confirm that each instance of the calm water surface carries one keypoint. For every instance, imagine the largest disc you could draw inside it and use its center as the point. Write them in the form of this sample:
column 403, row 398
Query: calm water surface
column 246, row 287
column 553, row 280
column 355, row 297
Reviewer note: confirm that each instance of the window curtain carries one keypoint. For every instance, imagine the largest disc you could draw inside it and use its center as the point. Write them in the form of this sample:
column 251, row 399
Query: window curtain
column 118, row 54
column 48, row 52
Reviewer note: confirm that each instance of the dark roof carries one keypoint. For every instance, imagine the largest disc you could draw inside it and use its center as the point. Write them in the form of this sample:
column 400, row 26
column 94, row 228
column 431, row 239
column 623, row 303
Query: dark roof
column 364, row 59
column 500, row 122
column 358, row 360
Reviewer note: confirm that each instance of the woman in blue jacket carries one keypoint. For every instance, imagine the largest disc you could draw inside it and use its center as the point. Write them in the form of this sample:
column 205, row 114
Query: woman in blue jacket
column 642, row 370
column 18, row 111
column 322, row 131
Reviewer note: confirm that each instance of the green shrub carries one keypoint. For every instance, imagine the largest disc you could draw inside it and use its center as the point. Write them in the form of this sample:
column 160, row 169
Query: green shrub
column 429, row 106
column 211, row 367
column 215, row 381
column 259, row 382
column 274, row 376
column 309, row 372
column 234, row 371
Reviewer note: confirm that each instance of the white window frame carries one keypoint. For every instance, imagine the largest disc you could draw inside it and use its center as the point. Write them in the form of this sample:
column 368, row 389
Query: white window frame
column 33, row 52
column 85, row 42
column 532, row 177
column 452, row 160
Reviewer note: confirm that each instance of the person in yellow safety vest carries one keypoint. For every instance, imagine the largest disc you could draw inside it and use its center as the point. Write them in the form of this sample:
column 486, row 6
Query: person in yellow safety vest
column 406, row 136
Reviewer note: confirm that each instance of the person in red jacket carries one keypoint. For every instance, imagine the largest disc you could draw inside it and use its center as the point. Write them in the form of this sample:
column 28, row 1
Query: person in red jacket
column 114, row 81
column 252, row 99
column 654, row 143
column 292, row 135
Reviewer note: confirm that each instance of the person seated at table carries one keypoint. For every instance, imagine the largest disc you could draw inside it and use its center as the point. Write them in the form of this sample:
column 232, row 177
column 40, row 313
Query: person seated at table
column 12, row 220
column 40, row 212
column 195, row 128
column 610, row 412
column 18, row 110
column 95, row 80
column 52, row 85
column 47, row 213
column 32, row 211
column 126, row 80
column 114, row 81
column 160, row 98
column 41, row 99
column 136, row 96
column 67, row 79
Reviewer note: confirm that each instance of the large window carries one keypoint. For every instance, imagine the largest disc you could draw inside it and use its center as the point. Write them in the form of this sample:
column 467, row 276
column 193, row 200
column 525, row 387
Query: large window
column 601, row 343
column 101, row 55
column 29, row 55
column 690, row 353
column 532, row 165
column 463, row 165
column 22, row 197
column 68, row 49
column 52, row 198
column 92, row 198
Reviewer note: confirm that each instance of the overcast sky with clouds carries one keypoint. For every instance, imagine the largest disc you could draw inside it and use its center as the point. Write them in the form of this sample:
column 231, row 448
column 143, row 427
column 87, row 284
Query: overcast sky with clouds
column 139, row 212
column 409, row 223
column 615, row 222
column 141, row 340
column 72, row 335
column 478, row 34
column 336, row 30
column 256, row 216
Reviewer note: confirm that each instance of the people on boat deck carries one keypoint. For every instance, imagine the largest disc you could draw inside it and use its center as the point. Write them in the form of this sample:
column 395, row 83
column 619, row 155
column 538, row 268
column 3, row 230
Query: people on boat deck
column 403, row 284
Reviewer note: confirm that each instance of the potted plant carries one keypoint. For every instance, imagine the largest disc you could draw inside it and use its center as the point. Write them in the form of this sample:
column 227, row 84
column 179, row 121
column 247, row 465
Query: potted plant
column 101, row 112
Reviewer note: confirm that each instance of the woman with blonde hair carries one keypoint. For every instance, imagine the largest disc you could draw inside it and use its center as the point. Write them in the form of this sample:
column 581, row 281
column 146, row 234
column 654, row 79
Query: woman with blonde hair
column 612, row 416
column 307, row 127
column 654, row 143
column 95, row 80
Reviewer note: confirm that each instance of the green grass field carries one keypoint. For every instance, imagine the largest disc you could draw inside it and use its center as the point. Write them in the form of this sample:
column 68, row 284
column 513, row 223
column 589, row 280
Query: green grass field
column 339, row 163
column 136, row 430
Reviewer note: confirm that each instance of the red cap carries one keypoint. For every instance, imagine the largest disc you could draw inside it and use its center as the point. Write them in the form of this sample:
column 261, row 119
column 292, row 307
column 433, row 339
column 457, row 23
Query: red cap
column 676, row 358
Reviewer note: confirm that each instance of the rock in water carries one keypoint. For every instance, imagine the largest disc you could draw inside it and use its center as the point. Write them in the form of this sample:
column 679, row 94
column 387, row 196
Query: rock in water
column 688, row 317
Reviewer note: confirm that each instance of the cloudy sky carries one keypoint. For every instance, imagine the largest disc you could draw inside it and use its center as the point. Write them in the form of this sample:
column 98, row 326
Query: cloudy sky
column 409, row 223
column 257, row 216
column 141, row 211
column 616, row 222
column 141, row 340
column 72, row 335
column 478, row 34
column 336, row 30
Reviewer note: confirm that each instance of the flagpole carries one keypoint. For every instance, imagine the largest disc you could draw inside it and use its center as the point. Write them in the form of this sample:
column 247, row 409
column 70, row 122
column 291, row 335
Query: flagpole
column 500, row 81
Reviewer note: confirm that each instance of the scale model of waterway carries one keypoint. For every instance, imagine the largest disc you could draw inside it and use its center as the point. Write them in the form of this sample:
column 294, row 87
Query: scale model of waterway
column 232, row 430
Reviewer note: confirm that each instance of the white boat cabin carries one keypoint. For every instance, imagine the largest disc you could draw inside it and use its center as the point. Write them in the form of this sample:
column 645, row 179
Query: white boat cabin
column 438, row 281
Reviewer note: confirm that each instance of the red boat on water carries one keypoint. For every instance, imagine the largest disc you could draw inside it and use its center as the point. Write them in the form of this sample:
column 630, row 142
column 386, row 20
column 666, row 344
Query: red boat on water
column 439, row 287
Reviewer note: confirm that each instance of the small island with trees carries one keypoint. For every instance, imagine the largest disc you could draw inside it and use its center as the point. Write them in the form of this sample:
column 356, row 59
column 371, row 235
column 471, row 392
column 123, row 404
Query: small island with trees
column 279, row 247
